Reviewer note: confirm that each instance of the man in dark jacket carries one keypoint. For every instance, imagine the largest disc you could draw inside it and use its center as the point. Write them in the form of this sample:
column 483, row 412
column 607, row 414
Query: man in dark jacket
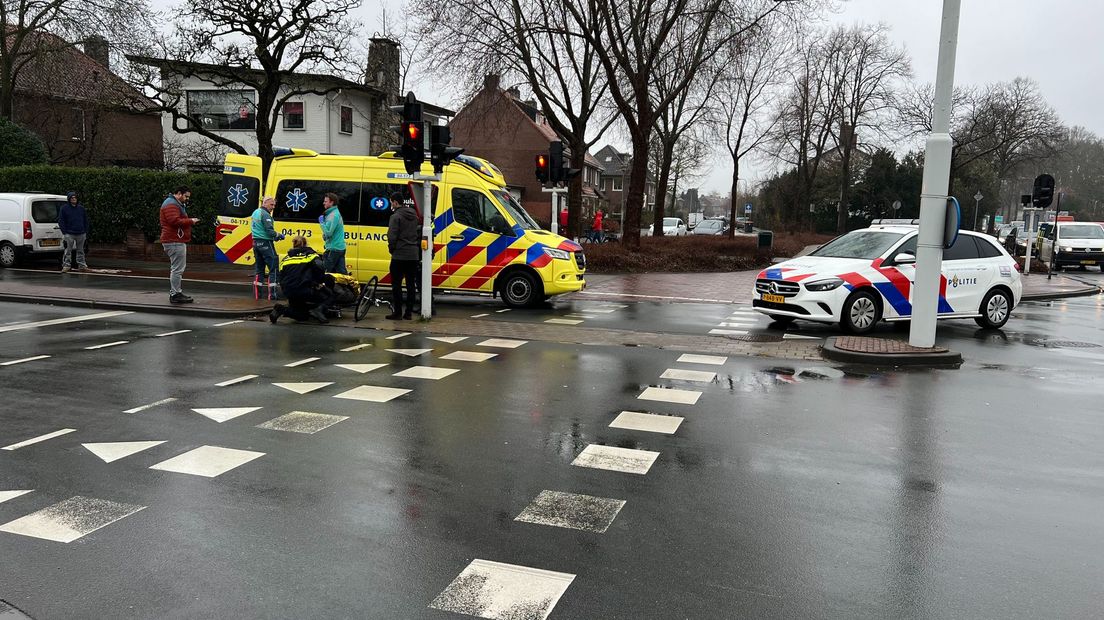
column 306, row 284
column 73, row 222
column 404, row 243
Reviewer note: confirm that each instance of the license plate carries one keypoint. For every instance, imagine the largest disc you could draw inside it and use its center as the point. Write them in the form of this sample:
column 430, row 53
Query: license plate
column 49, row 243
column 1088, row 262
column 774, row 299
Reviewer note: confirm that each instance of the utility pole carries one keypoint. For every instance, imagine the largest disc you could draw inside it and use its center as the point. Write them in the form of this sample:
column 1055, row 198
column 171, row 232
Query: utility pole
column 977, row 206
column 933, row 195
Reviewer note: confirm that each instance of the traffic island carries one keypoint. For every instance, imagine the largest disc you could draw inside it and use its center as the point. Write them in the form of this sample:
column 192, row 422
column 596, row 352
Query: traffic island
column 887, row 352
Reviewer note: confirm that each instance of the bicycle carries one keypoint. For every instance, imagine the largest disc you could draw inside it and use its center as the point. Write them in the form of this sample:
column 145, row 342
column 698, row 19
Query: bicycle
column 368, row 300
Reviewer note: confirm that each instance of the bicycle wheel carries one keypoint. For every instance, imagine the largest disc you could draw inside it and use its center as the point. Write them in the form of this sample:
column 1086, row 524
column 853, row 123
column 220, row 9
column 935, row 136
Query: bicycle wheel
column 367, row 298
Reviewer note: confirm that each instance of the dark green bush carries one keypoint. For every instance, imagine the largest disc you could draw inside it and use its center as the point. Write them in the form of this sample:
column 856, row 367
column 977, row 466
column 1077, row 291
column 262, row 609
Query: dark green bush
column 18, row 146
column 121, row 198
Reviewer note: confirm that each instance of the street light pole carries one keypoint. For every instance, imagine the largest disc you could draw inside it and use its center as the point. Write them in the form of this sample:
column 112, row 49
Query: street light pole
column 933, row 195
column 977, row 206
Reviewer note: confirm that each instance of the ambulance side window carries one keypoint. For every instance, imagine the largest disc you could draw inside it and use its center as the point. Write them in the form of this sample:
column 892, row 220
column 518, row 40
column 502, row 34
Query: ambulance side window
column 376, row 199
column 474, row 209
column 301, row 201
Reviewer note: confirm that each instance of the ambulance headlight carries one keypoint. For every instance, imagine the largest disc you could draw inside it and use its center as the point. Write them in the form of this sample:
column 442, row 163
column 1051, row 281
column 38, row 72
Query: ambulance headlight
column 560, row 254
column 823, row 285
column 1065, row 249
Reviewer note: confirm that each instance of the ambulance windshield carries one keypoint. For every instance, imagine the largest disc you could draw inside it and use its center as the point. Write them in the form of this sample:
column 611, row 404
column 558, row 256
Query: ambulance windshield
column 516, row 211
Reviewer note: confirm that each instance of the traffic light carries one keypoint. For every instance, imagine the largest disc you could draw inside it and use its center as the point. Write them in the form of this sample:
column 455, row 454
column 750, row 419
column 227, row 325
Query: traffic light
column 411, row 130
column 542, row 168
column 1043, row 192
column 440, row 153
column 558, row 172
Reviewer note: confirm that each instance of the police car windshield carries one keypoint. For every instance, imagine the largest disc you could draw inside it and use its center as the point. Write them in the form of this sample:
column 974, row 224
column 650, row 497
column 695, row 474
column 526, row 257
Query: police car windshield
column 516, row 211
column 869, row 244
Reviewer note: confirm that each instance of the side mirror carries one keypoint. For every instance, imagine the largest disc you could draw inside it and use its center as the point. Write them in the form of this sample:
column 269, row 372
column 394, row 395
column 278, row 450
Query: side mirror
column 904, row 258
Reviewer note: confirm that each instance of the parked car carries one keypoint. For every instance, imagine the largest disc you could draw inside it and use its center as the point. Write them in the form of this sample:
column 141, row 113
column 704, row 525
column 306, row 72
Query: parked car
column 866, row 276
column 711, row 226
column 28, row 226
column 674, row 227
column 1080, row 244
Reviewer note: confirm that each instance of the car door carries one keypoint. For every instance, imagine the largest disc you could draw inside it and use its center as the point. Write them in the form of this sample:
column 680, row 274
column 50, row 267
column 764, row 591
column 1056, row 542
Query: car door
column 45, row 232
column 966, row 277
column 478, row 240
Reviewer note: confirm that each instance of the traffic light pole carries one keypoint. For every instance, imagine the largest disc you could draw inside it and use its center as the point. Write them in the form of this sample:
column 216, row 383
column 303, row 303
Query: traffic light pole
column 933, row 195
column 556, row 192
column 427, row 242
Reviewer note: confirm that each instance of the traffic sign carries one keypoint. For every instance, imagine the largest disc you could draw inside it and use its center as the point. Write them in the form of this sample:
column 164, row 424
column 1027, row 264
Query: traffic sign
column 998, row 220
column 747, row 208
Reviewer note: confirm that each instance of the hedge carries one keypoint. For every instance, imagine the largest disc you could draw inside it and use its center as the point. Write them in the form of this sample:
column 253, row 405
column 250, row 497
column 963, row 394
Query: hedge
column 118, row 199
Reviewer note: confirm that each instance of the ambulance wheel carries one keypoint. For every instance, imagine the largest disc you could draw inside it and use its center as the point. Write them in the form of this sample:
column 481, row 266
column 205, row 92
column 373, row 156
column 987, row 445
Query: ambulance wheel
column 521, row 290
column 8, row 255
column 996, row 308
column 861, row 313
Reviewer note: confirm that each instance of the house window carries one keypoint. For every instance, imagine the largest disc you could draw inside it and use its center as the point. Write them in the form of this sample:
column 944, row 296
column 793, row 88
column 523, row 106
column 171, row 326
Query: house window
column 346, row 119
column 78, row 125
column 223, row 110
column 293, row 115
column 617, row 184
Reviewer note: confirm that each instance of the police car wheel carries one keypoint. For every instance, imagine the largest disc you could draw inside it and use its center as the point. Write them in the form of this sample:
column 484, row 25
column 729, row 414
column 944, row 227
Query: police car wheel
column 861, row 313
column 7, row 255
column 996, row 308
column 520, row 290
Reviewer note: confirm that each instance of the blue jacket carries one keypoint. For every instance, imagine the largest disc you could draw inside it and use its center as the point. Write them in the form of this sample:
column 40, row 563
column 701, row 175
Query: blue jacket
column 72, row 219
column 333, row 229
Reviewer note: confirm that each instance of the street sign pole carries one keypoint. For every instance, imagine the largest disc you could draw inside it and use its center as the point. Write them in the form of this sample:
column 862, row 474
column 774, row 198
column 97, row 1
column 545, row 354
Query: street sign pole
column 556, row 205
column 1029, row 220
column 933, row 196
column 427, row 242
column 977, row 206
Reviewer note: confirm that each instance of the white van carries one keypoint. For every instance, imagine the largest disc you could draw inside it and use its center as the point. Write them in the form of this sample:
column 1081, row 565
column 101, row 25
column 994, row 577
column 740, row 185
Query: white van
column 28, row 225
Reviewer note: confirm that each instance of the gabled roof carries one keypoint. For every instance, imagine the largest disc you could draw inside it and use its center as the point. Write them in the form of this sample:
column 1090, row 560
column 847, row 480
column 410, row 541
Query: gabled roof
column 612, row 161
column 199, row 68
column 66, row 73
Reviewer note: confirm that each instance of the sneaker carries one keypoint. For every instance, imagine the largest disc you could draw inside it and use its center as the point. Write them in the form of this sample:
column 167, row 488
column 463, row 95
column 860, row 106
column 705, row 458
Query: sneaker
column 186, row 299
column 66, row 269
column 318, row 315
column 277, row 312
column 83, row 268
column 177, row 298
column 393, row 317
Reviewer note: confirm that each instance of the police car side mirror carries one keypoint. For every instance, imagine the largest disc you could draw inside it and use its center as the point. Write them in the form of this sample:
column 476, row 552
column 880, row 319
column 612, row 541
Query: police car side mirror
column 904, row 258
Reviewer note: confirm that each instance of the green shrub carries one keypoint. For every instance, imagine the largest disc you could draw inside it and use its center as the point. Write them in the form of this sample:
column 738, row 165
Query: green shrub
column 121, row 198
column 694, row 254
column 18, row 146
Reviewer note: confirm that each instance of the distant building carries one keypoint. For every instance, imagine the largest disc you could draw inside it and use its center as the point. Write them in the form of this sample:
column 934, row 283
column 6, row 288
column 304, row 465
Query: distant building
column 616, row 168
column 85, row 114
column 498, row 126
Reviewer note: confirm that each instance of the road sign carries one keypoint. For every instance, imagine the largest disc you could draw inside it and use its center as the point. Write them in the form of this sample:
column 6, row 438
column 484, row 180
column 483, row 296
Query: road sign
column 896, row 205
column 747, row 208
column 998, row 220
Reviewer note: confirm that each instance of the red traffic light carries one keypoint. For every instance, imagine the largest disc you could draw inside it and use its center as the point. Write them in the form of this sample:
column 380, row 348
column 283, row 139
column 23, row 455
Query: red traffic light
column 542, row 168
column 413, row 131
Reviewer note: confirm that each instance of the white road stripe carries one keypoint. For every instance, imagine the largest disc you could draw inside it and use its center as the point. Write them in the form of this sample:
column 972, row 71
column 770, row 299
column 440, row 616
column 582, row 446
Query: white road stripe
column 34, row 440
column 238, row 380
column 356, row 347
column 503, row 310
column 106, row 345
column 398, row 335
column 163, row 401
column 302, row 361
column 799, row 337
column 25, row 359
column 691, row 358
column 179, row 331
column 728, row 332
column 227, row 323
column 477, row 316
column 72, row 319
column 736, row 324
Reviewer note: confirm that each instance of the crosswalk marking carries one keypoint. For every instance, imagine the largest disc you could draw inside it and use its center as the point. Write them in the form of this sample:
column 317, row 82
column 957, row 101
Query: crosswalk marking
column 426, row 372
column 71, row 519
column 106, row 345
column 24, row 360
column 502, row 343
column 373, row 393
column 34, row 440
column 572, row 511
column 469, row 356
column 302, row 422
column 647, row 422
column 564, row 321
column 503, row 591
column 613, row 458
column 208, row 461
column 670, row 395
column 6, row 495
column 700, row 376
column 693, row 358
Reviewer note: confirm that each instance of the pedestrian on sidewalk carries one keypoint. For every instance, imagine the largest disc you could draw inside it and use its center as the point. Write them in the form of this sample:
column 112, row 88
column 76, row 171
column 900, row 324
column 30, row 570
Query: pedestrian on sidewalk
column 264, row 248
column 597, row 235
column 333, row 235
column 176, row 234
column 72, row 219
column 306, row 284
column 563, row 222
column 404, row 244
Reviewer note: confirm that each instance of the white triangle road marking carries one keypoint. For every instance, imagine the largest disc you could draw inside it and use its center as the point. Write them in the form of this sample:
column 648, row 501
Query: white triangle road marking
column 113, row 451
column 222, row 414
column 6, row 495
column 361, row 368
column 303, row 388
column 410, row 352
column 448, row 339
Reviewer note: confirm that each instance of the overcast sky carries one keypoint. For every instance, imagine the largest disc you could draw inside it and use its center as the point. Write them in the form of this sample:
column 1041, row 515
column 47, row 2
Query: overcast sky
column 1058, row 43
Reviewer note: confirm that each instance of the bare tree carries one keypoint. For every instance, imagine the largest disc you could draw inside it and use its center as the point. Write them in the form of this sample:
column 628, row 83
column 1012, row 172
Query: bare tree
column 27, row 26
column 633, row 42
column 536, row 42
column 262, row 45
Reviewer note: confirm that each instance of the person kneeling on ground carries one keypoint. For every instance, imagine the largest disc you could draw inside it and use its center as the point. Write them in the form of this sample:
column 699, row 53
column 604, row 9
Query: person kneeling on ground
column 306, row 284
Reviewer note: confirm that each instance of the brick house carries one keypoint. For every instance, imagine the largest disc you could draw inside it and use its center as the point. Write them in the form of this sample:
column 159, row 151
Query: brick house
column 498, row 126
column 85, row 114
column 616, row 168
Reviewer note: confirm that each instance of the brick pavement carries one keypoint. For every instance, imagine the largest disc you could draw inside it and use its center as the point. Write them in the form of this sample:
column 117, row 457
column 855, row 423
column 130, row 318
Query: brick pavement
column 860, row 344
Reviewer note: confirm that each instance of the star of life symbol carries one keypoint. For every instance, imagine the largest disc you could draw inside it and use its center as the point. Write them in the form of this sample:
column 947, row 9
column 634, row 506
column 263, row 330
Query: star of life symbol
column 380, row 204
column 297, row 200
column 238, row 195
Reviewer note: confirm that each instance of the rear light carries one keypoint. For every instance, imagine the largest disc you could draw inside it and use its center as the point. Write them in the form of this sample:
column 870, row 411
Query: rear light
column 26, row 229
column 1018, row 267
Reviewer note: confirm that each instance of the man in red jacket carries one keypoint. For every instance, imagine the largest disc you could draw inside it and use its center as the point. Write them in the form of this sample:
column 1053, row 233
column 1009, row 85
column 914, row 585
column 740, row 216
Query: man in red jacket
column 176, row 232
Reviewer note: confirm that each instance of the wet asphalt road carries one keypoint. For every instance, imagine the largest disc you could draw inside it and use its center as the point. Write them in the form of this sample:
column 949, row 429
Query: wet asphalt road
column 810, row 490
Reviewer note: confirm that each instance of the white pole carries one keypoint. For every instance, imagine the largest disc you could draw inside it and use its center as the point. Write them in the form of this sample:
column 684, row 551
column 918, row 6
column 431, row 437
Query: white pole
column 933, row 195
column 427, row 251
column 1029, row 217
column 555, row 213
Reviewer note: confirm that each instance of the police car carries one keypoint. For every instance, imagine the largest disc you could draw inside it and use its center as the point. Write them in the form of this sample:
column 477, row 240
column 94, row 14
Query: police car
column 866, row 276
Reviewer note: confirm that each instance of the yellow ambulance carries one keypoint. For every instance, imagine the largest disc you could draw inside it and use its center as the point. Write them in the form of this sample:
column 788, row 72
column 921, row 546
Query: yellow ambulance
column 483, row 239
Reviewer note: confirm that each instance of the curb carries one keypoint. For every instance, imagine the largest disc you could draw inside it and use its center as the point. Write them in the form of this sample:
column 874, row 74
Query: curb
column 181, row 310
column 944, row 359
column 1085, row 292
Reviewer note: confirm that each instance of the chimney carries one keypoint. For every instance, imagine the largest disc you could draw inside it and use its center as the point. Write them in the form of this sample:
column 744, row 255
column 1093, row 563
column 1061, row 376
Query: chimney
column 96, row 48
column 514, row 92
column 382, row 72
column 491, row 81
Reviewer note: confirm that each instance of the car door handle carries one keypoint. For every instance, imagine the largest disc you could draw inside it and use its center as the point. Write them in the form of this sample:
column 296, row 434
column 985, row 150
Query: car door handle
column 457, row 237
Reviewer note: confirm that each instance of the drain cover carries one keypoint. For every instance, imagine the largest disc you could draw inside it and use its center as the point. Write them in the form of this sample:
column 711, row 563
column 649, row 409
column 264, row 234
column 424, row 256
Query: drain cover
column 758, row 338
column 1070, row 344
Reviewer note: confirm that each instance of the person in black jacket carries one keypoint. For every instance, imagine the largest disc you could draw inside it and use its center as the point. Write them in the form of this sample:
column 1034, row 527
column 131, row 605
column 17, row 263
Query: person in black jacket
column 306, row 284
column 73, row 221
column 404, row 243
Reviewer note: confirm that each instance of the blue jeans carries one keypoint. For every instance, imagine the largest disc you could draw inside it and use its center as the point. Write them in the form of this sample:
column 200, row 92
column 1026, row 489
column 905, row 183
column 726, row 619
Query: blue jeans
column 264, row 252
column 333, row 261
